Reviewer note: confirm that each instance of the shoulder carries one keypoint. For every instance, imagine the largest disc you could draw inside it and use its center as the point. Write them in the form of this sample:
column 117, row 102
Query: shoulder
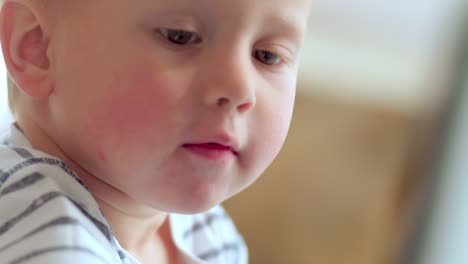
column 211, row 236
column 47, row 252
column 45, row 212
column 31, row 177
column 16, row 161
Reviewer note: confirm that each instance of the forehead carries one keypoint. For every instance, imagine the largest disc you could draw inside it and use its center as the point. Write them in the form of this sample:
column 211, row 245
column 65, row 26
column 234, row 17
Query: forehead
column 298, row 8
column 249, row 8
column 253, row 6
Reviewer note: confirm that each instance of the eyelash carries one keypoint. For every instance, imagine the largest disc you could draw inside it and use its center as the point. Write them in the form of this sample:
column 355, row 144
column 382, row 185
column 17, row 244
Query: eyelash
column 184, row 38
column 168, row 33
column 277, row 59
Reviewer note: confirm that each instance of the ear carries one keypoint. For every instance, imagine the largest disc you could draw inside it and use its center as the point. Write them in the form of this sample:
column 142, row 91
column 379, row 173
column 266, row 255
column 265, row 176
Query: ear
column 25, row 46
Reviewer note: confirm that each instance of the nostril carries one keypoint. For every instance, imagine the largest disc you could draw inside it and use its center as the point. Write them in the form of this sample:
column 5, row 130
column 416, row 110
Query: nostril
column 245, row 107
column 223, row 101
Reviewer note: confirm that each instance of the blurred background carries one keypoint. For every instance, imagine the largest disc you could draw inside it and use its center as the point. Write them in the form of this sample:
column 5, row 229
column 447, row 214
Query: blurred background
column 5, row 116
column 372, row 85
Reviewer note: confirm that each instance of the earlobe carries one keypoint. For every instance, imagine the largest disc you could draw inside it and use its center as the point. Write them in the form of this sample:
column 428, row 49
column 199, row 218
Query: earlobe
column 25, row 46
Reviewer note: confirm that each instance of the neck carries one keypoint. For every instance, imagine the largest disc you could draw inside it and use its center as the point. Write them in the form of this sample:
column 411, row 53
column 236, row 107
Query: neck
column 136, row 229
column 143, row 232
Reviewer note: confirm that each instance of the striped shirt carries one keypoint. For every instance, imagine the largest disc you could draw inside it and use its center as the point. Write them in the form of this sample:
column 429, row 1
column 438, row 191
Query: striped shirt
column 47, row 215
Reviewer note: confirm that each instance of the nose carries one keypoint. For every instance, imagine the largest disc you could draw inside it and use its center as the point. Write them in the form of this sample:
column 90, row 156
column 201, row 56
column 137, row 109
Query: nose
column 228, row 80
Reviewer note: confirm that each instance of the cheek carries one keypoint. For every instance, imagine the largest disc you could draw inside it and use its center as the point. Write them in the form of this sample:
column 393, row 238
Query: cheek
column 279, row 116
column 276, row 128
column 132, row 112
column 270, row 129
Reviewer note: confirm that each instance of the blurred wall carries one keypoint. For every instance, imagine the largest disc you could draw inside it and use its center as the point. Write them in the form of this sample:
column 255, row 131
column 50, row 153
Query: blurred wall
column 388, row 54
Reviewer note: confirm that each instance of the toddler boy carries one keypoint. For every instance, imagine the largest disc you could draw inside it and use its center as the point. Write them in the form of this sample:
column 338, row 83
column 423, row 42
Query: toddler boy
column 135, row 119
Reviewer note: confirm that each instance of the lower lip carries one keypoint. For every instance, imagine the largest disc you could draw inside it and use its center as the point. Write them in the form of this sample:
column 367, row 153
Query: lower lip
column 210, row 152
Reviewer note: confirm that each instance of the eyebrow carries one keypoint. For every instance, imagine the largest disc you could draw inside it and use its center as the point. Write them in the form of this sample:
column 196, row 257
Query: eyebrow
column 290, row 25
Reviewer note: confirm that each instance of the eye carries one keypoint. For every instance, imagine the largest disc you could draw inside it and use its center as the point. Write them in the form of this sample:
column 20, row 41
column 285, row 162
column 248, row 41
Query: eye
column 267, row 57
column 179, row 37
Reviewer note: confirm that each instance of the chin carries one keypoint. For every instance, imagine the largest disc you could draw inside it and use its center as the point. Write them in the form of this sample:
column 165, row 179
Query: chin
column 193, row 206
column 189, row 210
column 198, row 201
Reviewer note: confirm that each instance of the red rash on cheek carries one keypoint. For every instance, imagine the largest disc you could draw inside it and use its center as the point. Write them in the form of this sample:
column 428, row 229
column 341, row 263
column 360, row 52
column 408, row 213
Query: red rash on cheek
column 102, row 155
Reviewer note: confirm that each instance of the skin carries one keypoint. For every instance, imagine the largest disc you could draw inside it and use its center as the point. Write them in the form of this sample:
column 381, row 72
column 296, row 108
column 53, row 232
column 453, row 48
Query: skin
column 107, row 91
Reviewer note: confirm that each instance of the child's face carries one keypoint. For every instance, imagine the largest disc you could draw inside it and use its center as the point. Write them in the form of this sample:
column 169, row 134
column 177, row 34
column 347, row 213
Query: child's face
column 175, row 120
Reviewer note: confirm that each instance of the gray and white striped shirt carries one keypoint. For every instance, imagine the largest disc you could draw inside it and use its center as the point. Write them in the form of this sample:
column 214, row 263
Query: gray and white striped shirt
column 47, row 215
